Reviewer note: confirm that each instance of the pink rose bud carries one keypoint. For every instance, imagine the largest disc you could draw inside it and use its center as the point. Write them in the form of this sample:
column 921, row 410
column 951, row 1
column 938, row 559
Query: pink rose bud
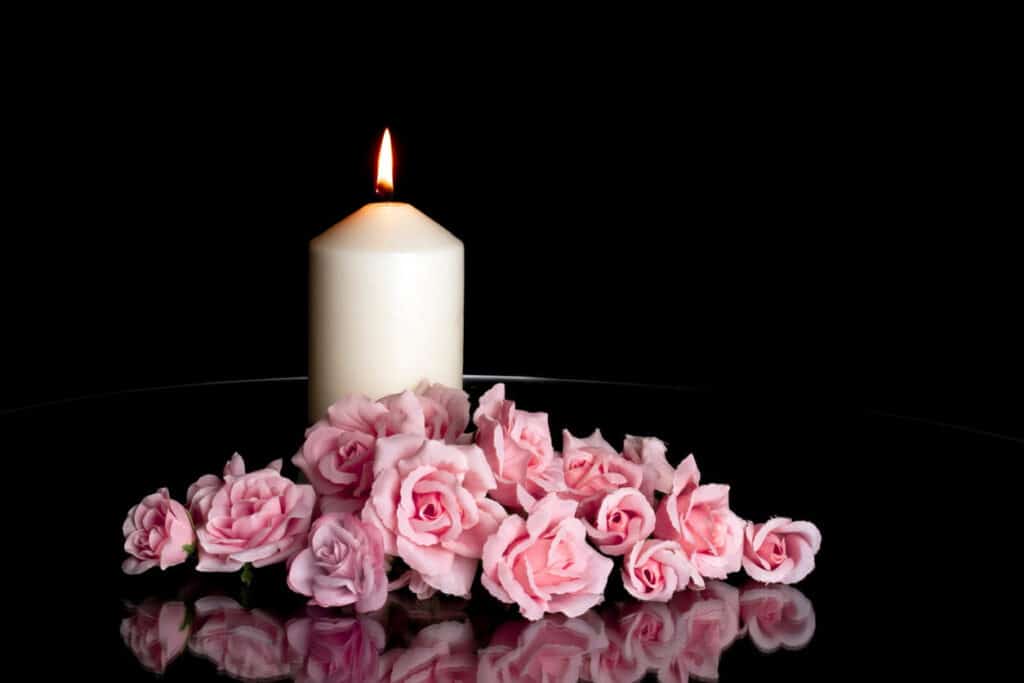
column 429, row 503
column 650, row 454
column 157, row 531
column 698, row 518
column 780, row 550
column 260, row 518
column 622, row 519
column 518, row 449
column 654, row 570
column 342, row 565
column 543, row 563
column 591, row 468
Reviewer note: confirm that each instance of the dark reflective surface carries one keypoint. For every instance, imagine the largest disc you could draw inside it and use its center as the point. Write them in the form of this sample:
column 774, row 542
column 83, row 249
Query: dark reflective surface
column 887, row 593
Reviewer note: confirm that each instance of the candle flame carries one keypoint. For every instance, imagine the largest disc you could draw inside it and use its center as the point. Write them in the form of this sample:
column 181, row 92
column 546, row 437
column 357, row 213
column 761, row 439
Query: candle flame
column 385, row 166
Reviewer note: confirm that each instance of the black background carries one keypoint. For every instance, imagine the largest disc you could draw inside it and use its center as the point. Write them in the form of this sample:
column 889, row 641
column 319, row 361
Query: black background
column 793, row 221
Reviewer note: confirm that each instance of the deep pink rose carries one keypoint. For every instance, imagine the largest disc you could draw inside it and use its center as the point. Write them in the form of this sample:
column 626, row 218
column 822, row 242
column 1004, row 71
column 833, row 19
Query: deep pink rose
column 780, row 550
column 201, row 492
column 342, row 565
column 655, row 569
column 156, row 633
column 698, row 518
column 327, row 649
column 543, row 563
column 776, row 616
column 243, row 644
column 649, row 453
column 552, row 650
column 259, row 518
column 337, row 456
column 429, row 502
column 440, row 652
column 707, row 622
column 591, row 468
column 621, row 519
column 157, row 531
column 433, row 411
column 518, row 449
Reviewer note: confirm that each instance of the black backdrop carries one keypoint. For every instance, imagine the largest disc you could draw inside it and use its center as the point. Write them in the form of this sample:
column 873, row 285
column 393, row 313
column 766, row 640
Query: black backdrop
column 804, row 229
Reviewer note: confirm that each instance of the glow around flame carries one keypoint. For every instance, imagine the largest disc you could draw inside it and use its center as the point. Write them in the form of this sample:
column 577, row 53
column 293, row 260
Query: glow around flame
column 385, row 166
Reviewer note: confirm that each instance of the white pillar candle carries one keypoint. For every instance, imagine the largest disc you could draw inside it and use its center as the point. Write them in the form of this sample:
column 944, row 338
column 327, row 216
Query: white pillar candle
column 386, row 304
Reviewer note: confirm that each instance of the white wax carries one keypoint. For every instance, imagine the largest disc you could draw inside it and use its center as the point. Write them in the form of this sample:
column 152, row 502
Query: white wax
column 386, row 305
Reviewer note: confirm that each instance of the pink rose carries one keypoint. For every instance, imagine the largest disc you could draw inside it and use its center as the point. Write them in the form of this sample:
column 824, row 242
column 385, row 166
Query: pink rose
column 156, row 531
column 201, row 492
column 433, row 411
column 429, row 502
column 544, row 563
column 592, row 468
column 440, row 652
column 655, row 570
column 776, row 616
column 342, row 565
column 707, row 622
column 780, row 550
column 551, row 650
column 327, row 649
column 243, row 644
column 258, row 518
column 518, row 449
column 622, row 519
column 649, row 453
column 156, row 633
column 337, row 456
column 699, row 519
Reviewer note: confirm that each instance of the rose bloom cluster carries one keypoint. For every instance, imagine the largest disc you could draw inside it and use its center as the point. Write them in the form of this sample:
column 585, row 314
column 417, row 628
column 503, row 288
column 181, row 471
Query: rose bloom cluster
column 401, row 477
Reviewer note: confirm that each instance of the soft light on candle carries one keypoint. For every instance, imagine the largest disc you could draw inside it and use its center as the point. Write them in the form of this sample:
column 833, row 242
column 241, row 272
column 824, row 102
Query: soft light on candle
column 385, row 300
column 385, row 166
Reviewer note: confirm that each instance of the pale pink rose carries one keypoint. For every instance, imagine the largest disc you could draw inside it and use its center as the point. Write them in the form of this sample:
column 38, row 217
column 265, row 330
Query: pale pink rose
column 622, row 519
column 324, row 648
column 157, row 531
column 518, row 449
column 707, row 622
column 414, row 580
column 433, row 411
column 780, row 550
column 259, row 518
column 699, row 519
column 243, row 644
column 201, row 492
column 439, row 652
column 337, row 456
column 543, row 563
column 591, row 468
column 655, row 569
column 649, row 452
column 342, row 565
column 156, row 633
column 552, row 650
column 648, row 633
column 429, row 502
column 776, row 616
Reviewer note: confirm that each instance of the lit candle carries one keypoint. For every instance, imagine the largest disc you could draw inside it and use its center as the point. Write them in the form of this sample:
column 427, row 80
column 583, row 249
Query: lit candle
column 386, row 301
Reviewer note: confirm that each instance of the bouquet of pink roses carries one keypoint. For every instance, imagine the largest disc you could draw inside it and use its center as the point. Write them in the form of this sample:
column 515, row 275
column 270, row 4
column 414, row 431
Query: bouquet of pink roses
column 401, row 478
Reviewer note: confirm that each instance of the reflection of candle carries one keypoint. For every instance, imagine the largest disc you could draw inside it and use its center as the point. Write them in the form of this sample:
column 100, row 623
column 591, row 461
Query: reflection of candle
column 385, row 293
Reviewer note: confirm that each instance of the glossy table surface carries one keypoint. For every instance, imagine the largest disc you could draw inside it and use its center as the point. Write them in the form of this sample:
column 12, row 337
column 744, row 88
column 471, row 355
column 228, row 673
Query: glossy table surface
column 77, row 466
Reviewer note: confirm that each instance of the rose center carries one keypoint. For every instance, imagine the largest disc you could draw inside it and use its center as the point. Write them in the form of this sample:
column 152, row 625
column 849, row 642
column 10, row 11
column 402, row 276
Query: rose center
column 618, row 520
column 650, row 574
column 429, row 507
column 773, row 550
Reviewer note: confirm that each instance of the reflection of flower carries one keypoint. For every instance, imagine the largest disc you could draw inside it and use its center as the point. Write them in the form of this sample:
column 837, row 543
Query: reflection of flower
column 707, row 622
column 156, row 633
column 323, row 649
column 441, row 652
column 648, row 633
column 776, row 616
column 243, row 644
column 551, row 650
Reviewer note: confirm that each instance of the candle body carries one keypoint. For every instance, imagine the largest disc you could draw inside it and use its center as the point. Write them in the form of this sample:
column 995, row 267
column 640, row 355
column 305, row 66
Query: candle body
column 386, row 305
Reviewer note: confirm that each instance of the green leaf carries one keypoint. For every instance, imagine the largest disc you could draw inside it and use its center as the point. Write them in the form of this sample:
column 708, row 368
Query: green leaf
column 189, row 548
column 247, row 574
